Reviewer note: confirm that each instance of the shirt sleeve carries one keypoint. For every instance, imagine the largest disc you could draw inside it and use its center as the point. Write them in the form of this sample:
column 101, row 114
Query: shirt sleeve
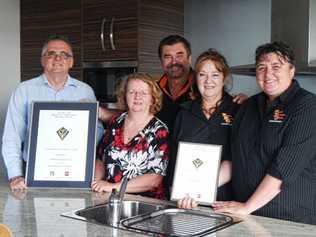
column 14, row 134
column 88, row 95
column 299, row 141
column 91, row 97
column 159, row 158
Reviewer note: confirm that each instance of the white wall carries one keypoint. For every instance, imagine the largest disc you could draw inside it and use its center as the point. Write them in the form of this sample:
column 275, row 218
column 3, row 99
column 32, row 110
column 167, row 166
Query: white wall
column 9, row 56
column 235, row 28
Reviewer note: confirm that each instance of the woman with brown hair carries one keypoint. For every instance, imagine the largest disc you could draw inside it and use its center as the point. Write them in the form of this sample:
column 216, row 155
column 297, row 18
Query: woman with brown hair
column 209, row 116
column 135, row 144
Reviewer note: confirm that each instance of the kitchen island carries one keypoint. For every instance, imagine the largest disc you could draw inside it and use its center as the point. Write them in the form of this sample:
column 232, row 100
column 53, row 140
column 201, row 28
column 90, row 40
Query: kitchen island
column 37, row 212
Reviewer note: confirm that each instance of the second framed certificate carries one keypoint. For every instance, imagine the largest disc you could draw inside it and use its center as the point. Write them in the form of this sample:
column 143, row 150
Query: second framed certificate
column 61, row 147
column 196, row 172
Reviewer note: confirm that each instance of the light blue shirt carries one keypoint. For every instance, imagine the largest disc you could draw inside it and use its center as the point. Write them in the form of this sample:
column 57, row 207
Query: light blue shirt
column 16, row 128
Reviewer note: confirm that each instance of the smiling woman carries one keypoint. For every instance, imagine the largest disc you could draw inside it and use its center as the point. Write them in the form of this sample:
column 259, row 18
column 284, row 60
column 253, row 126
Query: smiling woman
column 208, row 118
column 135, row 143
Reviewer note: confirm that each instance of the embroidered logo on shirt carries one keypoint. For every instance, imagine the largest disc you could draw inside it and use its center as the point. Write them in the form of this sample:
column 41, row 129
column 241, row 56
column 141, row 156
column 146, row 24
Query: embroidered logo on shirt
column 62, row 133
column 278, row 116
column 197, row 162
column 228, row 119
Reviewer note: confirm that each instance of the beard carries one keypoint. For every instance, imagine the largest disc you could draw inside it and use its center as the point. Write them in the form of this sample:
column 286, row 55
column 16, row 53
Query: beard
column 176, row 70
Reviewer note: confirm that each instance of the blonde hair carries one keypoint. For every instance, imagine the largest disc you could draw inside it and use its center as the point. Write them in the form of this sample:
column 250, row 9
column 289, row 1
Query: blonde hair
column 156, row 94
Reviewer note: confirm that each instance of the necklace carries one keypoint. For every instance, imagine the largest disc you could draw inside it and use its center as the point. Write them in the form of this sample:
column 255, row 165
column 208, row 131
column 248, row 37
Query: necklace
column 209, row 111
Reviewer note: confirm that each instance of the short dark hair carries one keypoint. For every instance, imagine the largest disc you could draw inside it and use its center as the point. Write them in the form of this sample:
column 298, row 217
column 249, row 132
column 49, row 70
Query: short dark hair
column 174, row 39
column 281, row 48
column 55, row 38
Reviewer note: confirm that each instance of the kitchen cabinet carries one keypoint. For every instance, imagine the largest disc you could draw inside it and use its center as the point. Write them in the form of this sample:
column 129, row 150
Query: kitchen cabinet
column 40, row 19
column 129, row 30
column 109, row 30
column 137, row 27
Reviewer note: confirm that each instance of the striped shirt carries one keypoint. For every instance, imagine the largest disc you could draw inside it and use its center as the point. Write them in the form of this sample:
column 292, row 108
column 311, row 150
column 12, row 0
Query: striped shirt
column 279, row 140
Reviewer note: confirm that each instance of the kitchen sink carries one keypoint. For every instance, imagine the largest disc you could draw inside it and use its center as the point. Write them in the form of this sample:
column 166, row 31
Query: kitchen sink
column 152, row 219
column 103, row 213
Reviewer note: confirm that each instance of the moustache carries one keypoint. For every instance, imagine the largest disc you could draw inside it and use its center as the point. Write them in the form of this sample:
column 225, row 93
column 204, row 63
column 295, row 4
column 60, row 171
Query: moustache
column 175, row 65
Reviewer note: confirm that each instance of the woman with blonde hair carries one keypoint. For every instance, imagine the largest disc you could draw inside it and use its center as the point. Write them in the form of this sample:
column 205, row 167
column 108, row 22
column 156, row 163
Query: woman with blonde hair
column 135, row 144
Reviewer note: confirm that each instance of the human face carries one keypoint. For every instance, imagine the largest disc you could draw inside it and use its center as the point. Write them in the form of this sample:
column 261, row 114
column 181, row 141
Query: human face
column 274, row 74
column 138, row 96
column 210, row 81
column 57, row 60
column 175, row 61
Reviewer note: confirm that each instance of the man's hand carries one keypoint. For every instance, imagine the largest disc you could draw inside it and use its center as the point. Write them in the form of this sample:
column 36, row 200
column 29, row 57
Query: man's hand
column 240, row 98
column 105, row 114
column 231, row 207
column 17, row 183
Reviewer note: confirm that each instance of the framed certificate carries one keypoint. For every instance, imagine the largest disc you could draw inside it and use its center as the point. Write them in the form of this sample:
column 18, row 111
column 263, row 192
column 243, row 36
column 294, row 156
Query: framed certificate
column 196, row 172
column 61, row 146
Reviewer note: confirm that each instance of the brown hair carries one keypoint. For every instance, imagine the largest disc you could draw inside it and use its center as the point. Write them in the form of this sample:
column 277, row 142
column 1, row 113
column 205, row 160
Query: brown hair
column 220, row 64
column 154, row 88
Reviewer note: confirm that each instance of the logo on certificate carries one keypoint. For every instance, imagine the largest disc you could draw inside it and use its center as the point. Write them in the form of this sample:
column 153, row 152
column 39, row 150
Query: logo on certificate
column 62, row 133
column 197, row 162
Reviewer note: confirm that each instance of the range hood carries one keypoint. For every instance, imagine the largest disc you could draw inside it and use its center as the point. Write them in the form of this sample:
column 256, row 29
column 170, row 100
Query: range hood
column 294, row 22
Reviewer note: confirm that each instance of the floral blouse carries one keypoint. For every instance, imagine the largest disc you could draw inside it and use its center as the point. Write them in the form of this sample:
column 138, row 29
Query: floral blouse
column 147, row 152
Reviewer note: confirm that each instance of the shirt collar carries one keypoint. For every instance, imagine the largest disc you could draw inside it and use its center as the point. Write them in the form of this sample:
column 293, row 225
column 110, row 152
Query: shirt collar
column 196, row 108
column 163, row 84
column 284, row 98
column 70, row 81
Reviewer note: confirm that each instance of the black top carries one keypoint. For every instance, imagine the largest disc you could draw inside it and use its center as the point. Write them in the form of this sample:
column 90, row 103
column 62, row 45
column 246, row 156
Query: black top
column 279, row 140
column 192, row 126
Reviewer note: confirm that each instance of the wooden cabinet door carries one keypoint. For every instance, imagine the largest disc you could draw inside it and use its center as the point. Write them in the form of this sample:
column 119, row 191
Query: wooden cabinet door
column 39, row 20
column 99, row 16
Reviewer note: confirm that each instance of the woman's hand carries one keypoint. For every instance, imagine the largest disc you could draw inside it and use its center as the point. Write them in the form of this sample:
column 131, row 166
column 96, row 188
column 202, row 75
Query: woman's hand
column 232, row 207
column 102, row 186
column 187, row 203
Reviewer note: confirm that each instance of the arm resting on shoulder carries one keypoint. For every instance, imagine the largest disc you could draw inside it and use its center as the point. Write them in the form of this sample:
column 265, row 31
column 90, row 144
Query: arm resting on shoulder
column 106, row 114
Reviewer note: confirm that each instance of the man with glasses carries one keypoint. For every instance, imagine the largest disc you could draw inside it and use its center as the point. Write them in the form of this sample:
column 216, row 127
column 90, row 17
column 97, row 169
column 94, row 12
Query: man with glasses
column 54, row 84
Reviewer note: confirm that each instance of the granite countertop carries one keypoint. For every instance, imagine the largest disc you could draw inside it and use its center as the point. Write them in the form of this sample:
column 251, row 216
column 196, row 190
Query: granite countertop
column 37, row 213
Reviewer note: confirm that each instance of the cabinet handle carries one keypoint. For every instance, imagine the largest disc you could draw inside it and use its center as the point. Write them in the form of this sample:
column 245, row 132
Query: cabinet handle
column 102, row 34
column 111, row 34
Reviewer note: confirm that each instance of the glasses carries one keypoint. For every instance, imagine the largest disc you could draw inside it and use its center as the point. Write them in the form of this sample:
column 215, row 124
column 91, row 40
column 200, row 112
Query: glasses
column 141, row 93
column 54, row 54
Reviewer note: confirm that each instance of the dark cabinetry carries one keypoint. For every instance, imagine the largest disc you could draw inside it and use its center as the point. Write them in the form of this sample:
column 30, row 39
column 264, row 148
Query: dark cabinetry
column 109, row 30
column 100, row 30
column 39, row 20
